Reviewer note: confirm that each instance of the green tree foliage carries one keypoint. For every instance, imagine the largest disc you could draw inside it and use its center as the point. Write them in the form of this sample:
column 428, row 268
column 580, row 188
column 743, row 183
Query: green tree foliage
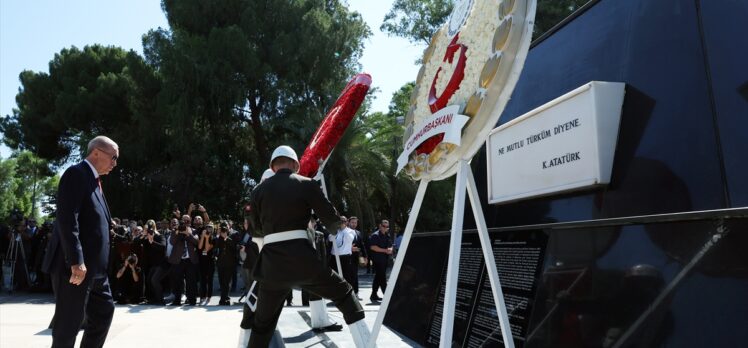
column 196, row 117
column 48, row 200
column 34, row 177
column 26, row 183
column 8, row 187
column 418, row 20
column 88, row 92
column 241, row 77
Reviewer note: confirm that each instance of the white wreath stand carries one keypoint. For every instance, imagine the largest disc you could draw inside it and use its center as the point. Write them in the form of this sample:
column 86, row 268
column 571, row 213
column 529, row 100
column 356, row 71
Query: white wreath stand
column 465, row 182
column 321, row 177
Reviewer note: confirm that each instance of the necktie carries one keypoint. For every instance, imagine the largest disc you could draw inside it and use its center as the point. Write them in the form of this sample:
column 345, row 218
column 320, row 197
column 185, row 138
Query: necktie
column 101, row 190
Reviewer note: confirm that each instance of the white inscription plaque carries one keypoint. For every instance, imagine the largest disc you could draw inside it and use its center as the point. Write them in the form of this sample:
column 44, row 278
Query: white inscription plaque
column 567, row 144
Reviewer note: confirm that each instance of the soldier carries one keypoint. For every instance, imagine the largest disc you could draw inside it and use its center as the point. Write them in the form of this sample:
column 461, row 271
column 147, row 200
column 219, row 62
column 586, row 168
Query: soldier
column 281, row 209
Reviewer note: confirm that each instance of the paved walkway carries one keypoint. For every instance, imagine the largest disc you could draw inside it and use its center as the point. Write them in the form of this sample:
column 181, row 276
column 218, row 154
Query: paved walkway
column 24, row 319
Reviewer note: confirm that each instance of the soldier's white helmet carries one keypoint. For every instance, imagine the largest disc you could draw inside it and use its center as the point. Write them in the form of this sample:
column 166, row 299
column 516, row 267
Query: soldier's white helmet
column 283, row 151
column 267, row 174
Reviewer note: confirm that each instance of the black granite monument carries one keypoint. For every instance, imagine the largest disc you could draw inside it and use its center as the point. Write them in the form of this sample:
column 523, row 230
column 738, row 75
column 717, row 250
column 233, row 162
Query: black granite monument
column 657, row 258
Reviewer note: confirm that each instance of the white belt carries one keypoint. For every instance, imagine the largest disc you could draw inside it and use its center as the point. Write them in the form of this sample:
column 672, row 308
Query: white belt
column 284, row 236
column 259, row 241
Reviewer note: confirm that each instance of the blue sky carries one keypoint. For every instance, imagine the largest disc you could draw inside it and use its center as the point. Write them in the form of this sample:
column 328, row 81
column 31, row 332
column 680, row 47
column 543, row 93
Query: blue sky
column 32, row 31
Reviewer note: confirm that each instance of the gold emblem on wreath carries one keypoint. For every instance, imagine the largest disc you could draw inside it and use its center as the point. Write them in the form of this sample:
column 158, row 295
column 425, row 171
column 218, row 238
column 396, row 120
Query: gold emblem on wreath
column 473, row 61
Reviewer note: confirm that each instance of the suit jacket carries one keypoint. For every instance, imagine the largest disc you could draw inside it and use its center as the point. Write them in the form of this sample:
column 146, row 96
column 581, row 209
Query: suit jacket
column 177, row 241
column 81, row 231
column 359, row 242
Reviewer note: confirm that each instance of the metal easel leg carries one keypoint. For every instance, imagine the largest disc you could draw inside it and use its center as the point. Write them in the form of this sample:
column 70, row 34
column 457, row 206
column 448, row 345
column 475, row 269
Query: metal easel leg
column 398, row 262
column 453, row 263
column 493, row 274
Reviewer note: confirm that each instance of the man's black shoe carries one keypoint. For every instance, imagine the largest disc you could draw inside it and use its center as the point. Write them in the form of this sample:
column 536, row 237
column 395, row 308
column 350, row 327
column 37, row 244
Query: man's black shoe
column 375, row 299
column 175, row 303
column 333, row 327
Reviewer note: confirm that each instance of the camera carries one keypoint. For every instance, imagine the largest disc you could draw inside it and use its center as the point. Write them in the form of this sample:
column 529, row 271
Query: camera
column 16, row 216
column 151, row 231
column 132, row 259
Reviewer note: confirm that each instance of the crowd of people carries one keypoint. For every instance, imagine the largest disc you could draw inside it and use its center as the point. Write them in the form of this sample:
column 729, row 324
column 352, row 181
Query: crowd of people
column 146, row 260
column 156, row 262
column 92, row 260
column 177, row 256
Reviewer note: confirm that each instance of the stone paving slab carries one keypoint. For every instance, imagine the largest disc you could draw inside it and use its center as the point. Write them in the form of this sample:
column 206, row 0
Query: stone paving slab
column 24, row 319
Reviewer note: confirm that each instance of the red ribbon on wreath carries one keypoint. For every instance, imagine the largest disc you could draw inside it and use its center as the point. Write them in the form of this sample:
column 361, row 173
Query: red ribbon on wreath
column 334, row 125
column 437, row 103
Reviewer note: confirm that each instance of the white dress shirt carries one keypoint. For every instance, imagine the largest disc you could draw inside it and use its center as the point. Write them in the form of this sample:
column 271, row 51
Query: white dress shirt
column 343, row 241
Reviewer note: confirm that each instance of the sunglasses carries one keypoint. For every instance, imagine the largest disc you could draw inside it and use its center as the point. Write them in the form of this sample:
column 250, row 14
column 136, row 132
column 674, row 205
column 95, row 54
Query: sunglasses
column 114, row 157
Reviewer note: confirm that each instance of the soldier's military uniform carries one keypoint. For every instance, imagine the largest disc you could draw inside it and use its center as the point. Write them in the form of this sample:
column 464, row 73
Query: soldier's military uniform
column 281, row 208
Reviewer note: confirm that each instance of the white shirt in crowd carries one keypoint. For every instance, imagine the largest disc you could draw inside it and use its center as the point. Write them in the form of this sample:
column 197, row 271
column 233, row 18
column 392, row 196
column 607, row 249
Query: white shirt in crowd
column 343, row 241
column 168, row 246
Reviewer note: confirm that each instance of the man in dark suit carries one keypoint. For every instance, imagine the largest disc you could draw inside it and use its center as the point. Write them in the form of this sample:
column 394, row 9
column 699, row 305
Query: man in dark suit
column 359, row 251
column 184, row 260
column 78, row 252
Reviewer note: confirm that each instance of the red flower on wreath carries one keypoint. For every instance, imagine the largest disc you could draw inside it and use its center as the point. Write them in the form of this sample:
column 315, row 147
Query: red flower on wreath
column 334, row 125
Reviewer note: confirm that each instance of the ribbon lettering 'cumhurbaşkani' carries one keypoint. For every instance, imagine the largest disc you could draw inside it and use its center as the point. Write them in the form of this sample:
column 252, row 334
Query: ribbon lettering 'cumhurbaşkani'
column 447, row 121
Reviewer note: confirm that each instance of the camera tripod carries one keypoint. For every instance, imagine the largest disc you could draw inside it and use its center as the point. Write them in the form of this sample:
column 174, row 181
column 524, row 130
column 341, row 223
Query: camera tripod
column 12, row 261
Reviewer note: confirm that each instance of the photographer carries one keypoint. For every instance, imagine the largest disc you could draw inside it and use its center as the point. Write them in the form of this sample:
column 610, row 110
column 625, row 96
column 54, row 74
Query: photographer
column 199, row 218
column 227, row 253
column 207, row 264
column 184, row 260
column 118, row 231
column 129, row 278
column 154, row 252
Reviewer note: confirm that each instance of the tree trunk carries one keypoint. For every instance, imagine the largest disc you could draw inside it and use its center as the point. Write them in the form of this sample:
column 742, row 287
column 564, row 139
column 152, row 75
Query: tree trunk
column 255, row 109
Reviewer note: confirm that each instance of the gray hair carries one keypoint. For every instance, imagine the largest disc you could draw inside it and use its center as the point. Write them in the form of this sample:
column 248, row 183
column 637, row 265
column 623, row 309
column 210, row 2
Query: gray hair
column 100, row 141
